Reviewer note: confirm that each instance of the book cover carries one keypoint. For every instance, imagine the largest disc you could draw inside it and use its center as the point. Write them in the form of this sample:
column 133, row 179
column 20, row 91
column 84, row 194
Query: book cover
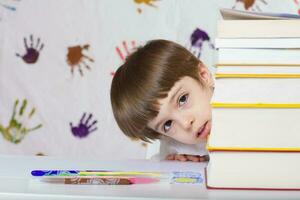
column 232, row 14
column 253, row 171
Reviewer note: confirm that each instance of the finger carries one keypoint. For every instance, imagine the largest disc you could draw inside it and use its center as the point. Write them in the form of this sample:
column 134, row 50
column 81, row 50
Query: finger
column 31, row 41
column 86, row 46
column 37, row 43
column 88, row 119
column 15, row 109
column 34, row 128
column 82, row 118
column 25, row 43
column 170, row 157
column 93, row 130
column 94, row 122
column 24, row 104
column 31, row 113
column 125, row 47
column 90, row 59
column 193, row 158
column 204, row 158
column 180, row 157
column 199, row 54
column 133, row 45
column 80, row 70
column 86, row 65
column 42, row 46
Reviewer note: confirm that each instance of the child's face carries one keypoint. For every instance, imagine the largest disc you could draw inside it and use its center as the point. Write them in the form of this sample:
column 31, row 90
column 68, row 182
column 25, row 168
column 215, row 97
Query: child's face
column 185, row 114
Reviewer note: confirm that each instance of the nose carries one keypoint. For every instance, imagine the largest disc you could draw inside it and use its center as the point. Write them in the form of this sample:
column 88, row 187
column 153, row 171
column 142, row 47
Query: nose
column 187, row 121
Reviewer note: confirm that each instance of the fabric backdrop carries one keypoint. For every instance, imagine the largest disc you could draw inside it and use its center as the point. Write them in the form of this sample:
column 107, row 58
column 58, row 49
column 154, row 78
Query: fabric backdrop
column 57, row 60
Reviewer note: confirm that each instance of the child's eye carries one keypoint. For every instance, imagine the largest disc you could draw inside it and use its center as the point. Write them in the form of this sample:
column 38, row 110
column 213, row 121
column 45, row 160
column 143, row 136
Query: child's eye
column 182, row 100
column 167, row 126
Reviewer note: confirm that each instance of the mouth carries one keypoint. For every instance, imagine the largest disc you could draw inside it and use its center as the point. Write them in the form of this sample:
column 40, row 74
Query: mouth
column 203, row 131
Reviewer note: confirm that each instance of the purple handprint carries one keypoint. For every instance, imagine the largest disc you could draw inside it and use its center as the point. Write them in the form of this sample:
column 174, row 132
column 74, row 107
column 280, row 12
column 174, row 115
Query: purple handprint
column 83, row 129
column 32, row 53
column 197, row 39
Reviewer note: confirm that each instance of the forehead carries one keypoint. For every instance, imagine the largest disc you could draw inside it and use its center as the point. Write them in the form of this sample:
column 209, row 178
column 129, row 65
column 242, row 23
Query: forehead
column 164, row 104
column 178, row 84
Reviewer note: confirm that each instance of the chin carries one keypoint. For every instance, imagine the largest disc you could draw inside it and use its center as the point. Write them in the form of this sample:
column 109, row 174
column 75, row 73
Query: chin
column 199, row 140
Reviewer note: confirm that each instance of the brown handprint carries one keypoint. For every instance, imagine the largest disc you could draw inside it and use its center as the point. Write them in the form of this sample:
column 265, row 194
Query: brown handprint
column 249, row 4
column 16, row 131
column 76, row 58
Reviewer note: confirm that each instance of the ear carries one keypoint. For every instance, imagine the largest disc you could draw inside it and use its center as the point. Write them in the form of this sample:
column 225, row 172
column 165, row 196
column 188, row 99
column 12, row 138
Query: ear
column 205, row 75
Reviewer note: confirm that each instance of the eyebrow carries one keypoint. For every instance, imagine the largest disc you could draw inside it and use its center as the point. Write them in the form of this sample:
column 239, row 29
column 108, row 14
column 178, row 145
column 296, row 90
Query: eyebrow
column 171, row 100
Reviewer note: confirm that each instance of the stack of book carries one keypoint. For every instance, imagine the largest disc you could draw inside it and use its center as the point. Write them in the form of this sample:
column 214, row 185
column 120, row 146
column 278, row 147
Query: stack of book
column 255, row 138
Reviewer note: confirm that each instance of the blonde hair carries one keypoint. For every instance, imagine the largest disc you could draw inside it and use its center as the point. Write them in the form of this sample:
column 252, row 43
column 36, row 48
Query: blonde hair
column 148, row 75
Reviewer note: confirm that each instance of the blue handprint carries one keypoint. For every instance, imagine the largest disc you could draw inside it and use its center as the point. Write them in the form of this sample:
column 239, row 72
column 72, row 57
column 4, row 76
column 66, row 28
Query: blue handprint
column 83, row 128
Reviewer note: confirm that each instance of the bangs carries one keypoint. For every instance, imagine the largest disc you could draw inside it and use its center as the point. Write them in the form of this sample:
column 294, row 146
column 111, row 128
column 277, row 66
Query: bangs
column 146, row 77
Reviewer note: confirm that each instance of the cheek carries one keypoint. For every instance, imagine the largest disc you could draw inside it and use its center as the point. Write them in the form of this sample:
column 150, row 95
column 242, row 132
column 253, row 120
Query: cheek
column 175, row 133
column 202, row 110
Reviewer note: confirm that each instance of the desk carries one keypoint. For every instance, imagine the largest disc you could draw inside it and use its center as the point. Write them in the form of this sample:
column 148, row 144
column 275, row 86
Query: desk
column 15, row 182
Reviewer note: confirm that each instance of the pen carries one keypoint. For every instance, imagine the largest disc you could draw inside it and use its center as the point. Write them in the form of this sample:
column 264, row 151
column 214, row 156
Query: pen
column 41, row 173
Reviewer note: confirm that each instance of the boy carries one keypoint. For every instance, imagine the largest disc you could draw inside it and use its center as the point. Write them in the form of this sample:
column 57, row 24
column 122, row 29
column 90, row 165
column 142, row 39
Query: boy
column 163, row 92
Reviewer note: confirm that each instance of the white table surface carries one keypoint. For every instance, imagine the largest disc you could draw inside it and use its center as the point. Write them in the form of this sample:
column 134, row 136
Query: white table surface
column 15, row 182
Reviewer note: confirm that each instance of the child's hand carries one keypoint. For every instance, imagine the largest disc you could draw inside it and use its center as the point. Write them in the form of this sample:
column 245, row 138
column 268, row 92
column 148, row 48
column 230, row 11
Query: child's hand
column 185, row 157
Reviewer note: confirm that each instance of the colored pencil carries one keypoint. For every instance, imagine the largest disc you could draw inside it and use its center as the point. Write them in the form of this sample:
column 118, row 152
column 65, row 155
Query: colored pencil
column 100, row 180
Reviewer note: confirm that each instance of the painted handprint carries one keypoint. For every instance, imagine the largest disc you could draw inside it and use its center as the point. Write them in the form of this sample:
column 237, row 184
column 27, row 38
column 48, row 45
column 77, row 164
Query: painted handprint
column 32, row 52
column 125, row 50
column 146, row 2
column 298, row 6
column 16, row 130
column 84, row 128
column 249, row 4
column 197, row 39
column 8, row 5
column 75, row 58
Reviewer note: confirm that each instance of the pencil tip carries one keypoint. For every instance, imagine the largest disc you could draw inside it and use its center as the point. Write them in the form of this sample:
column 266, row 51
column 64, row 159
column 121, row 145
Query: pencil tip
column 143, row 180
